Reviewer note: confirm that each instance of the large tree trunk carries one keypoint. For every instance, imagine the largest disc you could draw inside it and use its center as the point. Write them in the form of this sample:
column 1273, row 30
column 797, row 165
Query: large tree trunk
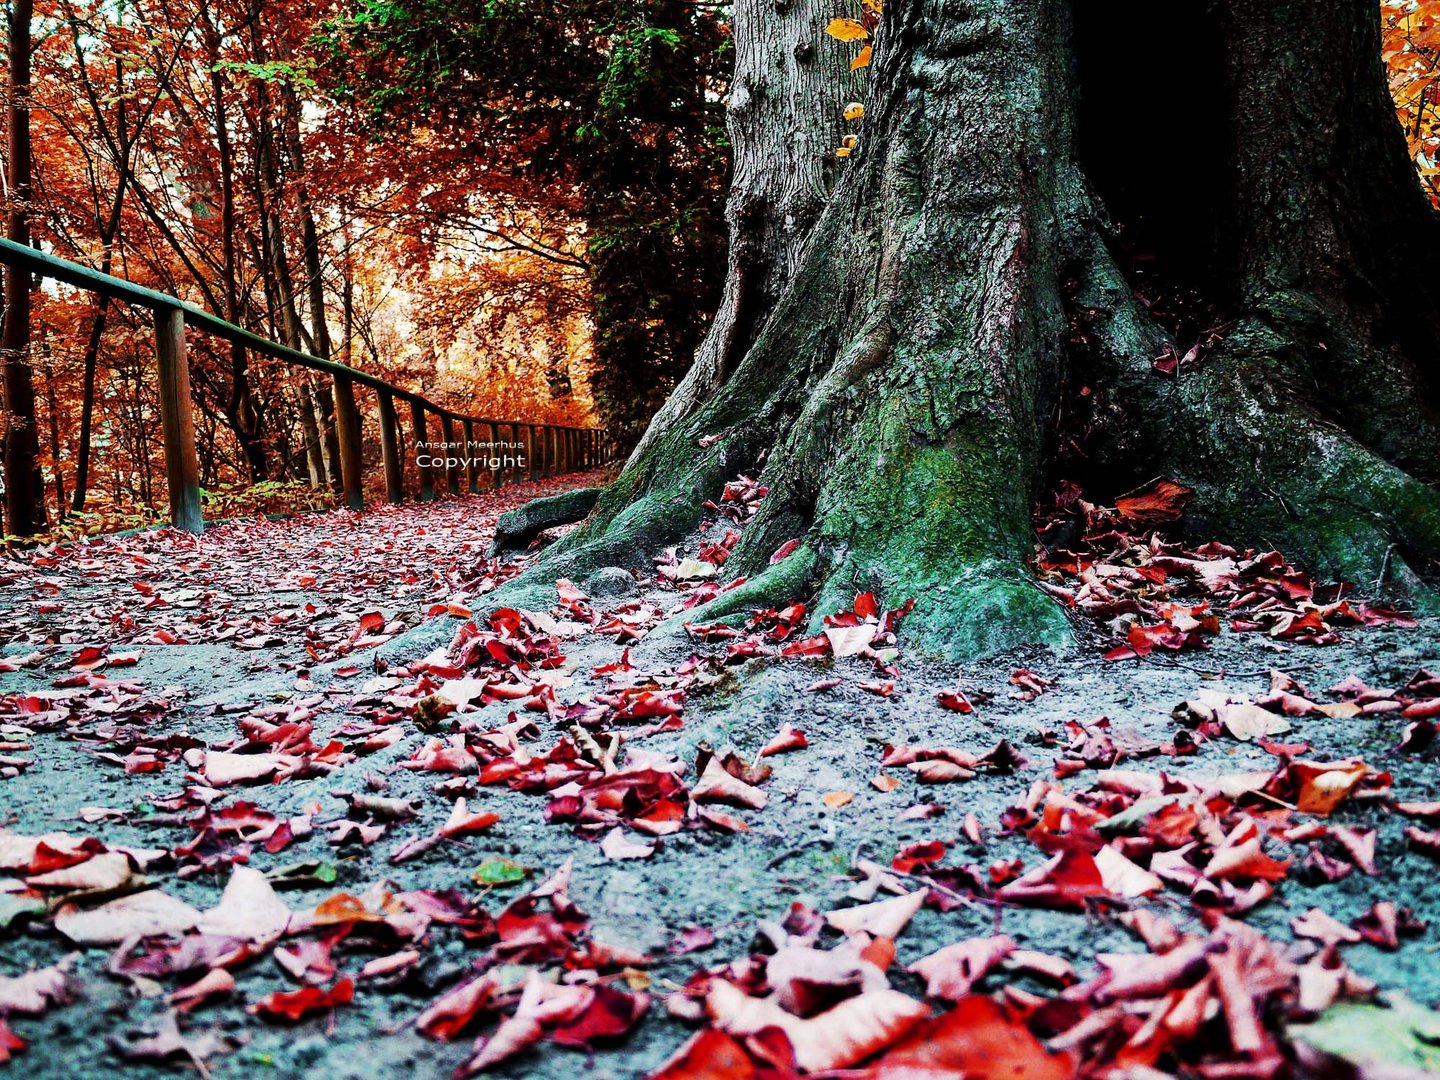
column 784, row 119
column 1314, row 425
column 962, row 284
column 24, row 490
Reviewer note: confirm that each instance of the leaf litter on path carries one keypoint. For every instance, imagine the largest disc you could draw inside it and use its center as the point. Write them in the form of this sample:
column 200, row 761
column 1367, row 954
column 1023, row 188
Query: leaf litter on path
column 1066, row 816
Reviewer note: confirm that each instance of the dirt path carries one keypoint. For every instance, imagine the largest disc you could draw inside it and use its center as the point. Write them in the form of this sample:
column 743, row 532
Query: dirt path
column 153, row 680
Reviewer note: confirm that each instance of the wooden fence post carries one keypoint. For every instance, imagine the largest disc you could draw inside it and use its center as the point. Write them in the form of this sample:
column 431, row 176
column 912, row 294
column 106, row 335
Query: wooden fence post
column 513, row 452
column 439, row 480
column 452, row 472
column 422, row 437
column 494, row 437
column 472, row 466
column 390, row 449
column 347, row 430
column 182, row 468
column 531, row 452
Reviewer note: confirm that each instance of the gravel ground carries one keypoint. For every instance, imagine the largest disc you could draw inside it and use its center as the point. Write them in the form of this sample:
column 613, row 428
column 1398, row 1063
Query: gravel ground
column 797, row 848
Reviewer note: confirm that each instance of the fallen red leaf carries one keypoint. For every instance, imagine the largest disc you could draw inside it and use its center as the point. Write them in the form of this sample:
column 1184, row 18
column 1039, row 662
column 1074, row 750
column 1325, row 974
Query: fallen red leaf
column 293, row 1005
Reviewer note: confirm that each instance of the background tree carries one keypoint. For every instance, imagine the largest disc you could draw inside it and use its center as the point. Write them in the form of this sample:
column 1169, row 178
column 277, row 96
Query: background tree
column 1019, row 231
column 612, row 109
column 24, row 490
column 1410, row 44
column 191, row 149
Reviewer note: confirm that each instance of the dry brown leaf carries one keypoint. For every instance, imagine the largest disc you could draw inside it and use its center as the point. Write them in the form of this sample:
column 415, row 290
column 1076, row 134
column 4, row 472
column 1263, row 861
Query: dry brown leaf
column 717, row 785
column 1123, row 877
column 883, row 918
column 249, row 908
column 616, row 846
column 836, row 1038
column 145, row 914
column 949, row 973
column 101, row 873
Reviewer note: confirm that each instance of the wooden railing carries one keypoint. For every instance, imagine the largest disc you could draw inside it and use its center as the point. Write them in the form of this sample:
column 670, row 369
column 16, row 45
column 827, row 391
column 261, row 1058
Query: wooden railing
column 550, row 449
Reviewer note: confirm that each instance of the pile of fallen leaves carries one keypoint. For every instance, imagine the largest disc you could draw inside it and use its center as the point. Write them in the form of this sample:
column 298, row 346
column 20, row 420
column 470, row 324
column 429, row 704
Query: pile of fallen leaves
column 1211, row 1003
column 1109, row 564
column 537, row 970
column 317, row 582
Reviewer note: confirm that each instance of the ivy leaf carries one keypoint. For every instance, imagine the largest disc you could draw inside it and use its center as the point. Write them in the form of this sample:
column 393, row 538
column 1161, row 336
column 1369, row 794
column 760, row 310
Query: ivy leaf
column 847, row 30
column 854, row 111
column 1402, row 1037
column 861, row 60
column 13, row 907
column 499, row 872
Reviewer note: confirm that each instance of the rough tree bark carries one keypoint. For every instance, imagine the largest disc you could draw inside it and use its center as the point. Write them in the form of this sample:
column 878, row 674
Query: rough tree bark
column 963, row 283
column 784, row 124
column 24, row 491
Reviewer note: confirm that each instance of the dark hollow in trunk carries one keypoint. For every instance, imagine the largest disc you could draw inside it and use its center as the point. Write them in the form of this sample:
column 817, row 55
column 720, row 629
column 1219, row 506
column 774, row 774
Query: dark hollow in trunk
column 1016, row 224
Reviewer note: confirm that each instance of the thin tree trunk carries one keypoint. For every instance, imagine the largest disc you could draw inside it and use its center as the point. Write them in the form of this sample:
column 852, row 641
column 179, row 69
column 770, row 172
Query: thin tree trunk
column 239, row 402
column 52, row 407
column 315, row 286
column 314, row 461
column 322, row 444
column 24, row 494
column 87, row 396
column 119, row 141
column 109, row 231
column 318, row 343
column 309, row 234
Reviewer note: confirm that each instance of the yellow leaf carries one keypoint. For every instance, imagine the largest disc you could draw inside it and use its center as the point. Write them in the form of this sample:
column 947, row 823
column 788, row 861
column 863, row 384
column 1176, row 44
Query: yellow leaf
column 854, row 111
column 836, row 799
column 842, row 151
column 636, row 979
column 883, row 782
column 847, row 30
column 862, row 60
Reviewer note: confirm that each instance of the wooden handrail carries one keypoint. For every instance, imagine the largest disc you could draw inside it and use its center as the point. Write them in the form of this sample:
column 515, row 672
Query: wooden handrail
column 576, row 448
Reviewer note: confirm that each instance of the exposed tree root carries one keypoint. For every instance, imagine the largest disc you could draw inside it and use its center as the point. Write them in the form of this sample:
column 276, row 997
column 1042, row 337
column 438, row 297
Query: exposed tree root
column 1270, row 470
